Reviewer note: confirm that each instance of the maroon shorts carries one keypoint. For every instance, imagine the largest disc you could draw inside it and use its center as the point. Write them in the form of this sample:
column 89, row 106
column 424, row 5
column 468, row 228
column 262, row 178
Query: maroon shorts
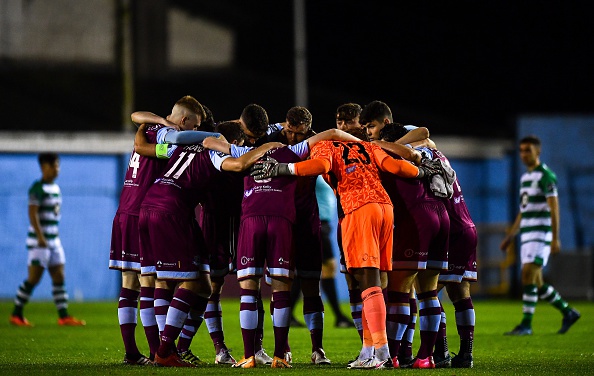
column 220, row 235
column 124, row 254
column 462, row 257
column 171, row 246
column 307, row 237
column 421, row 237
column 265, row 240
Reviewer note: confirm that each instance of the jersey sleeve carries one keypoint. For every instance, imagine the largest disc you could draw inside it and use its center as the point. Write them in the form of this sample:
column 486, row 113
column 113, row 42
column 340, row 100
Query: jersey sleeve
column 35, row 194
column 238, row 151
column 322, row 150
column 301, row 149
column 548, row 184
column 217, row 158
column 398, row 167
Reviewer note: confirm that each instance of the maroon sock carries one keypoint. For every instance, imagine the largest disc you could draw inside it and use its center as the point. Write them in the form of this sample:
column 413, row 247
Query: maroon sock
column 127, row 310
column 282, row 319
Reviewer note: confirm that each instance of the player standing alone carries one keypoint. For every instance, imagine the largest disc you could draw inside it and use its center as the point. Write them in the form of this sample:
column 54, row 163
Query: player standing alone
column 44, row 245
column 538, row 224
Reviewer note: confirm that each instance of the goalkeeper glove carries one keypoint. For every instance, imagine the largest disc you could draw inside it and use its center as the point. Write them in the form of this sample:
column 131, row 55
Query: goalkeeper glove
column 269, row 168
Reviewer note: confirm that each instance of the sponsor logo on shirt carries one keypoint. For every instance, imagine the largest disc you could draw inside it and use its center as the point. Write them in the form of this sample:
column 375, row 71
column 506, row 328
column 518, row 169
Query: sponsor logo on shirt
column 245, row 260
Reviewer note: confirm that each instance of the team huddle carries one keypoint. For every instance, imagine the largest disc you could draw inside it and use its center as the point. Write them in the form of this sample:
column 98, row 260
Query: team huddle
column 404, row 232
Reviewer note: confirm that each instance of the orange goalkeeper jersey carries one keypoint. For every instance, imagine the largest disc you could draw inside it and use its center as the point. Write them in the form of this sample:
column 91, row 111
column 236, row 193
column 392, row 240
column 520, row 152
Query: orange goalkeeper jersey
column 353, row 172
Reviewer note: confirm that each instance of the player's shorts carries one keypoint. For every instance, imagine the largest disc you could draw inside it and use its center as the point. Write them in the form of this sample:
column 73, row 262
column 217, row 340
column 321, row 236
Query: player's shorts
column 265, row 240
column 220, row 235
column 461, row 257
column 124, row 254
column 47, row 257
column 307, row 240
column 367, row 235
column 421, row 237
column 536, row 248
column 171, row 246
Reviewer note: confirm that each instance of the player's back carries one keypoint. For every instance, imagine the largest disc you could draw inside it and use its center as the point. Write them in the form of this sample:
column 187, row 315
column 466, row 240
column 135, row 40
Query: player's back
column 456, row 206
column 354, row 172
column 140, row 175
column 406, row 193
column 272, row 197
column 184, row 184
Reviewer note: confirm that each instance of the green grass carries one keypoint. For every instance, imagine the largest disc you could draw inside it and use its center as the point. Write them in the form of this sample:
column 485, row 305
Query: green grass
column 97, row 348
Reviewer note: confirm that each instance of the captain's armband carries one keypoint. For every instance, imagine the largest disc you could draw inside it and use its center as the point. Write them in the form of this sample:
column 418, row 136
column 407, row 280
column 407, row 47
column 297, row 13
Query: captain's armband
column 161, row 151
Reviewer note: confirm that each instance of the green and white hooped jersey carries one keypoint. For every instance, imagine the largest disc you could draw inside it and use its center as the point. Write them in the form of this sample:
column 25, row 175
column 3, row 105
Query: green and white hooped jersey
column 49, row 199
column 535, row 187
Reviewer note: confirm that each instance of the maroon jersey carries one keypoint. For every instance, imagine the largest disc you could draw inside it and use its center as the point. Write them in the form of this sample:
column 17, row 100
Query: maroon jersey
column 271, row 197
column 456, row 206
column 140, row 175
column 187, row 177
column 405, row 193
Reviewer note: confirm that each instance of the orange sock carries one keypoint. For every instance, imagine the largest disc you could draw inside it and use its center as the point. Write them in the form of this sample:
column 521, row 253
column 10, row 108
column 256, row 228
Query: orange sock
column 367, row 338
column 374, row 309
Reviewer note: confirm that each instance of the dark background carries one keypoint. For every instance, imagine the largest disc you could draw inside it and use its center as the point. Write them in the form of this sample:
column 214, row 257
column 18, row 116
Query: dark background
column 459, row 68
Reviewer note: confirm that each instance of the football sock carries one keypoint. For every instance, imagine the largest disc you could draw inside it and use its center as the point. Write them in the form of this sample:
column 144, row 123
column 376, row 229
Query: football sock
column 281, row 321
column 375, row 315
column 181, row 304
column 356, row 310
column 60, row 299
column 548, row 293
column 465, row 319
column 162, row 300
column 397, row 318
column 22, row 297
column 248, row 320
column 441, row 341
column 529, row 300
column 313, row 313
column 147, row 316
column 407, row 339
column 127, row 311
column 191, row 325
column 214, row 322
column 429, row 319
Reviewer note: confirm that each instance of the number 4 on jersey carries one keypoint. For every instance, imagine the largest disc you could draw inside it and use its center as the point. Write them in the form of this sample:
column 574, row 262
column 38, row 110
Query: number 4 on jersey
column 134, row 163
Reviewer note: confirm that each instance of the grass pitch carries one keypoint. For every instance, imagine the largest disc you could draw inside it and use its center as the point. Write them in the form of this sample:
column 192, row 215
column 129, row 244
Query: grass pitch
column 97, row 349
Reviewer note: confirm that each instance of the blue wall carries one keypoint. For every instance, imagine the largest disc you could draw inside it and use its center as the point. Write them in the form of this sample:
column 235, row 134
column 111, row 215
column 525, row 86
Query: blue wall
column 90, row 187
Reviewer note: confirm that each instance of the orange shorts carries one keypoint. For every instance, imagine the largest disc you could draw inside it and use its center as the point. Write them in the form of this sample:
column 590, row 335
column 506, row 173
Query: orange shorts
column 367, row 235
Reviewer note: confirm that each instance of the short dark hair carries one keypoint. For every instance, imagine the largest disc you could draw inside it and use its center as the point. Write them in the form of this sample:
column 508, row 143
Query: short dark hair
column 256, row 119
column 299, row 116
column 231, row 130
column 50, row 158
column 348, row 111
column 376, row 110
column 392, row 132
column 208, row 123
column 190, row 103
column 360, row 133
column 531, row 139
